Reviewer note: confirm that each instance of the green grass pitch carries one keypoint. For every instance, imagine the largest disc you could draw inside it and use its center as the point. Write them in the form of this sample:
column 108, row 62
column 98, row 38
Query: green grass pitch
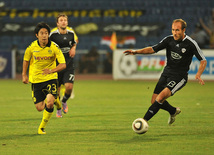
column 100, row 117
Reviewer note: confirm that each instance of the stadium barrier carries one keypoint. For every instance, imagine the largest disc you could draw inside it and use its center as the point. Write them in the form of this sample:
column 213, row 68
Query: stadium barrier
column 7, row 64
column 150, row 67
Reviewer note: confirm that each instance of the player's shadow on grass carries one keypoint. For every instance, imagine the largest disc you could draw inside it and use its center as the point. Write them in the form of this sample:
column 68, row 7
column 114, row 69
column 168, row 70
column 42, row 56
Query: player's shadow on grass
column 82, row 131
column 21, row 120
column 17, row 136
column 142, row 138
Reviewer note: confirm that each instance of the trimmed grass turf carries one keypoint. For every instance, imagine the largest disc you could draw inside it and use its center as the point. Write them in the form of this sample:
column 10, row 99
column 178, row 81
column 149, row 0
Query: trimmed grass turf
column 100, row 117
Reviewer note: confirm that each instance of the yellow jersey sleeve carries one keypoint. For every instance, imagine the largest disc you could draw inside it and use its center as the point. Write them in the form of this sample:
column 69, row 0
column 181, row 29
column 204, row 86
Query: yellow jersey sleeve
column 28, row 54
column 27, row 57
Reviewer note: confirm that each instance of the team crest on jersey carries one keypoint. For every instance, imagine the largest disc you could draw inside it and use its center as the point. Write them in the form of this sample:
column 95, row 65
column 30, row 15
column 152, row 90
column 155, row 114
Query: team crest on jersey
column 49, row 51
column 183, row 50
column 64, row 38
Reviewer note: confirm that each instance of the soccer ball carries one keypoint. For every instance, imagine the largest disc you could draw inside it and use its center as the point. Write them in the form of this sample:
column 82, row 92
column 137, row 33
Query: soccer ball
column 140, row 126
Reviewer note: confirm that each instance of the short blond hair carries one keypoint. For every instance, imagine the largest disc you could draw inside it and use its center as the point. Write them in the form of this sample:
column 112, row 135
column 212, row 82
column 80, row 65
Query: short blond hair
column 183, row 23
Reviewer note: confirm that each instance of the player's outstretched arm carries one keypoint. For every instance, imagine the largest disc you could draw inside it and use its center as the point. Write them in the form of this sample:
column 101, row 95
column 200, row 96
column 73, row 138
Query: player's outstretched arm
column 146, row 50
column 129, row 52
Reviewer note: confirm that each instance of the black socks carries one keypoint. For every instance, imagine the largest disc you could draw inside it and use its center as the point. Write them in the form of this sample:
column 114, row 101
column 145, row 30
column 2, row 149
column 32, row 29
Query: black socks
column 49, row 110
column 65, row 97
column 166, row 106
column 153, row 109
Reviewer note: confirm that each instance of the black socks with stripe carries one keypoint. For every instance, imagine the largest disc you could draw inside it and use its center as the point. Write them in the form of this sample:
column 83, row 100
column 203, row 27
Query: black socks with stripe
column 156, row 106
column 153, row 109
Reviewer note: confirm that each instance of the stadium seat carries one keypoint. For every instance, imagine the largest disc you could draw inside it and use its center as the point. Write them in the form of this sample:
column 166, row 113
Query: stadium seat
column 154, row 12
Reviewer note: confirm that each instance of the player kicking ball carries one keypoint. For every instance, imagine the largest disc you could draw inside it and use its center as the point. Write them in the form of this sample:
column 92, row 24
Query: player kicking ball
column 180, row 49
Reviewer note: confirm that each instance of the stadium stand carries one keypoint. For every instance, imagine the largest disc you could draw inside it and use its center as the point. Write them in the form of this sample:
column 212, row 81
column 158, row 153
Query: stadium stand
column 154, row 12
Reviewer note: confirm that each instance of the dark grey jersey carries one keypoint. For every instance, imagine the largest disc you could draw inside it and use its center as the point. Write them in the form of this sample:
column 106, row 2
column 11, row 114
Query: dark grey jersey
column 179, row 54
column 65, row 42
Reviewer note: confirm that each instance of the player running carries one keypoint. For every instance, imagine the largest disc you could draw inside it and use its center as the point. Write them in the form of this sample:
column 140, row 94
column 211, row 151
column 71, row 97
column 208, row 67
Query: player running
column 41, row 57
column 67, row 40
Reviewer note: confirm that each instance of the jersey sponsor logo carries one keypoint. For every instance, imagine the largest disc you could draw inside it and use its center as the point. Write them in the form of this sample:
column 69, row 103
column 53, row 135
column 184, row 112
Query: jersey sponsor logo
column 65, row 49
column 175, row 55
column 43, row 58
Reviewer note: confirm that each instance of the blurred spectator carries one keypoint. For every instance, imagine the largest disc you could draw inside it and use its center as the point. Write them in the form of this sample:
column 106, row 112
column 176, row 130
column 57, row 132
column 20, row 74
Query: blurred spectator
column 108, row 63
column 200, row 36
column 83, row 64
column 211, row 20
column 92, row 60
column 210, row 32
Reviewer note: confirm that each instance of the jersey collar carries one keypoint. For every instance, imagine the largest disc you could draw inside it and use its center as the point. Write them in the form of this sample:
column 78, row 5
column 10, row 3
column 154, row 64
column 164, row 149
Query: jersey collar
column 61, row 33
column 184, row 37
column 48, row 45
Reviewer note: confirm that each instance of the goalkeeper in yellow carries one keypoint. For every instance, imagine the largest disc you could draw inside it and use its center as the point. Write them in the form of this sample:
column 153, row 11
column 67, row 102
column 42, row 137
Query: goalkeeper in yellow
column 41, row 57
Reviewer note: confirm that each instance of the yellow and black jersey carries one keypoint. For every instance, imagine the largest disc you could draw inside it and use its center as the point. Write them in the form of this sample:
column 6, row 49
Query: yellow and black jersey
column 42, row 58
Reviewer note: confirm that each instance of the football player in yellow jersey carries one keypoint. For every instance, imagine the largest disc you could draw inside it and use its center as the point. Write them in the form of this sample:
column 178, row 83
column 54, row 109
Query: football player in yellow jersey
column 65, row 37
column 41, row 57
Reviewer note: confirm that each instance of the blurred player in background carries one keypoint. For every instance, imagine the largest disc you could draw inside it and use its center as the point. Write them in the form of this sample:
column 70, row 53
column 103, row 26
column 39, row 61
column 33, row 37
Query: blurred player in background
column 180, row 49
column 65, row 37
column 41, row 55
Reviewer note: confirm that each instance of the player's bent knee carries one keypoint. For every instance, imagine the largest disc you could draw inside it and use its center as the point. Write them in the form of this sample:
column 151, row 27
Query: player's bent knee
column 39, row 108
column 69, row 87
column 50, row 104
column 159, row 99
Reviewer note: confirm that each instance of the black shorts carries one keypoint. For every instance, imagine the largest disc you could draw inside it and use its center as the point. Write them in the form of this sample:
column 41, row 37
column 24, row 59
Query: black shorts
column 40, row 90
column 66, row 76
column 173, row 82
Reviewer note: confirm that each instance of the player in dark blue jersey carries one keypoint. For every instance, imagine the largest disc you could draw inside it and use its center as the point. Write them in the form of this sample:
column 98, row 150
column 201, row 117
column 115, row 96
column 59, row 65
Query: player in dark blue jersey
column 180, row 49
